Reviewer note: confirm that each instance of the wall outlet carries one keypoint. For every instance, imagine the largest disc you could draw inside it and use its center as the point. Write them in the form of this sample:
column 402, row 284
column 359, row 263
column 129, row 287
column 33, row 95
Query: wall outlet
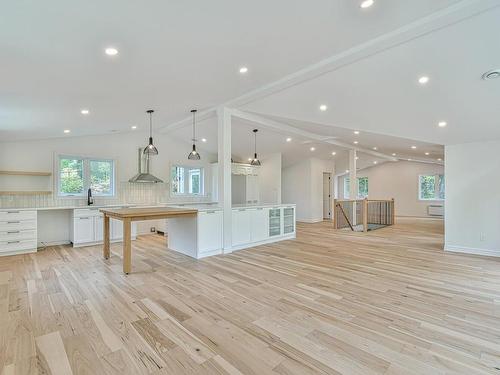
column 152, row 229
column 482, row 237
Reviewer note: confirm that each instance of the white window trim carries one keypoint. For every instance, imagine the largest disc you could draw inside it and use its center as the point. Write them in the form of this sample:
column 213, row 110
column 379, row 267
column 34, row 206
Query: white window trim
column 86, row 176
column 186, row 180
column 435, row 189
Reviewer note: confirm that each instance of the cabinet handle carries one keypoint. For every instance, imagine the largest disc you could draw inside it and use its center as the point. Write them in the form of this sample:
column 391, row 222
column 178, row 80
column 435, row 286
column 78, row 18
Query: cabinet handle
column 12, row 212
column 210, row 212
column 13, row 222
column 242, row 209
column 13, row 232
column 84, row 218
column 11, row 242
column 259, row 209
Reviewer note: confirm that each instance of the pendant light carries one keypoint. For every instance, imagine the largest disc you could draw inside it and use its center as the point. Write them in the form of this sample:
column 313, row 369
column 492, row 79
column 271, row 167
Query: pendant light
column 150, row 148
column 194, row 155
column 255, row 160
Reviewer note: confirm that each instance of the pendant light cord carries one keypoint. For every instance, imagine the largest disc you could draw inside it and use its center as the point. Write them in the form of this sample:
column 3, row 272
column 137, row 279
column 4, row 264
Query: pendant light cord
column 194, row 134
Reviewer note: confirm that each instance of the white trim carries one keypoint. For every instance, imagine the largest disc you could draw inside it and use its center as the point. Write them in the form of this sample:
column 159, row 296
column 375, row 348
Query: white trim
column 290, row 236
column 310, row 221
column 472, row 250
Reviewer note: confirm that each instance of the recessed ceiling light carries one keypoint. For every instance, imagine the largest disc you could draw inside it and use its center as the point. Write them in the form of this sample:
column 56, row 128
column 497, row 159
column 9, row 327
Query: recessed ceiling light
column 334, row 153
column 84, row 111
column 366, row 3
column 409, row 159
column 440, row 159
column 393, row 154
column 357, row 157
column 427, row 154
column 414, row 147
column 243, row 70
column 66, row 131
column 203, row 140
column 312, row 148
column 134, row 127
column 492, row 74
column 375, row 148
column 323, row 107
column 356, row 132
column 423, row 80
column 375, row 162
column 111, row 51
column 355, row 142
column 289, row 139
column 442, row 124
column 347, row 171
column 250, row 159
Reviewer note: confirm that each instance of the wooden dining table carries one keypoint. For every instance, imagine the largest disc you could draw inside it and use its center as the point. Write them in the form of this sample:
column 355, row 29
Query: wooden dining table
column 127, row 215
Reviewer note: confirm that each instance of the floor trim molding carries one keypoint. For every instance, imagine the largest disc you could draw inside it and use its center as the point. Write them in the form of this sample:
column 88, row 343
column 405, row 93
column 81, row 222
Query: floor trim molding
column 472, row 250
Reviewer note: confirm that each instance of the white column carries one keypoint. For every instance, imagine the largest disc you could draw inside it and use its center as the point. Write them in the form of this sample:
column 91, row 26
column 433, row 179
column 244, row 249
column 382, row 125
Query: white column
column 353, row 183
column 224, row 186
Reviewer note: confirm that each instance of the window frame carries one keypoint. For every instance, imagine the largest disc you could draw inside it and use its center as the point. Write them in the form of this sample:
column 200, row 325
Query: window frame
column 346, row 178
column 86, row 176
column 436, row 198
column 187, row 181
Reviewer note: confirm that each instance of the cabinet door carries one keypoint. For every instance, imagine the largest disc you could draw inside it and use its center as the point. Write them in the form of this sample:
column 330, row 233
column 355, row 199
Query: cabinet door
column 83, row 229
column 288, row 220
column 116, row 229
column 241, row 227
column 209, row 231
column 274, row 222
column 98, row 228
column 259, row 224
column 252, row 193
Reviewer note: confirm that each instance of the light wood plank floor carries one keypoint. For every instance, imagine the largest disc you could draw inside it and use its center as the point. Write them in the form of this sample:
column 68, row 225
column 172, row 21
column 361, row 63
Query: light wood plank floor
column 387, row 302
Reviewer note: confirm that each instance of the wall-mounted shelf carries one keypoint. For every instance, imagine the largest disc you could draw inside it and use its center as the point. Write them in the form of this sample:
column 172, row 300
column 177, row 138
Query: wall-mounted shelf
column 26, row 173
column 40, row 192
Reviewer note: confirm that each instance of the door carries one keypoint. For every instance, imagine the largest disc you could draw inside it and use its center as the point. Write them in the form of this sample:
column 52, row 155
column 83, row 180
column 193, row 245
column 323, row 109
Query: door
column 327, row 196
column 84, row 229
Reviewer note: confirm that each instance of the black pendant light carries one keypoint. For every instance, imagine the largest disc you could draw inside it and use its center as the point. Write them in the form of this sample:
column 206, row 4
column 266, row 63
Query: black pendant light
column 255, row 160
column 194, row 155
column 150, row 149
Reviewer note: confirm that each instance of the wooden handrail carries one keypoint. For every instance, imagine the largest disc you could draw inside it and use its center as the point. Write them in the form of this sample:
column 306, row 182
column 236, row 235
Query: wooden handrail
column 345, row 217
column 363, row 213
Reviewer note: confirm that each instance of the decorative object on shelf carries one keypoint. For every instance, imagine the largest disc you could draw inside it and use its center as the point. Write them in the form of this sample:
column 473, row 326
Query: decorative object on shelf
column 255, row 160
column 150, row 148
column 194, row 155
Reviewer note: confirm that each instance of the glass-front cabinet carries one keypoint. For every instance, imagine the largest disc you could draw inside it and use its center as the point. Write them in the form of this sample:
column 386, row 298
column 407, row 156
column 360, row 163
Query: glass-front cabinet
column 274, row 222
column 288, row 220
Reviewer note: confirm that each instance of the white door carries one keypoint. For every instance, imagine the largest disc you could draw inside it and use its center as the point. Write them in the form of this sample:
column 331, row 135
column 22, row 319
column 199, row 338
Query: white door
column 83, row 229
column 241, row 227
column 259, row 224
column 327, row 194
column 98, row 228
column 209, row 231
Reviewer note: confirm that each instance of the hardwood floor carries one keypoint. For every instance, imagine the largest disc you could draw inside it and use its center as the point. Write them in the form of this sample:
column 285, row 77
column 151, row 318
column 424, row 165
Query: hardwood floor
column 331, row 302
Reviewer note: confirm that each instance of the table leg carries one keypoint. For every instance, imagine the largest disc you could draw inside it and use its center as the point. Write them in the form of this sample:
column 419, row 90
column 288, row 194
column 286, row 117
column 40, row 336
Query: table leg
column 127, row 246
column 106, row 237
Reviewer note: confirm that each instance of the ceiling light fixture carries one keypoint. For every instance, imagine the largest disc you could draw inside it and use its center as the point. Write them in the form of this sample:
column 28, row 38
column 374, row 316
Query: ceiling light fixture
column 440, row 159
column 66, row 131
column 334, row 153
column 393, row 154
column 150, row 149
column 204, row 140
column 111, row 51
column 133, row 127
column 355, row 142
column 194, row 155
column 375, row 148
column 375, row 162
column 289, row 139
column 423, row 80
column 323, row 107
column 255, row 160
column 347, row 171
column 84, row 111
column 367, row 3
column 413, row 147
column 312, row 149
column 356, row 158
column 492, row 74
column 243, row 70
column 356, row 132
column 442, row 124
column 427, row 154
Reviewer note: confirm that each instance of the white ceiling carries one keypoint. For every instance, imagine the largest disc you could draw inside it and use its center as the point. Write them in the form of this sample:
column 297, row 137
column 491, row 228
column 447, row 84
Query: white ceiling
column 173, row 55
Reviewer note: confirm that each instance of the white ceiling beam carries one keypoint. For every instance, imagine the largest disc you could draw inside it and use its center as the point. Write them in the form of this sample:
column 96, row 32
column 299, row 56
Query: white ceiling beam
column 457, row 12
column 288, row 129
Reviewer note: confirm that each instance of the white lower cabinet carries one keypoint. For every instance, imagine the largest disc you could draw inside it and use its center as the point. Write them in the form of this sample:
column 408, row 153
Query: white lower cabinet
column 88, row 228
column 18, row 232
column 241, row 225
column 209, row 232
column 259, row 224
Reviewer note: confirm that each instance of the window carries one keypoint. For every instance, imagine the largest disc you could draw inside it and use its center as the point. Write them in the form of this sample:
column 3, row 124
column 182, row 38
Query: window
column 77, row 174
column 362, row 188
column 187, row 180
column 431, row 187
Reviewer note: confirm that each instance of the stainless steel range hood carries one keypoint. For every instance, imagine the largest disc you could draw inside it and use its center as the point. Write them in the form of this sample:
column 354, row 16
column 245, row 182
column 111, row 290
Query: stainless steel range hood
column 144, row 177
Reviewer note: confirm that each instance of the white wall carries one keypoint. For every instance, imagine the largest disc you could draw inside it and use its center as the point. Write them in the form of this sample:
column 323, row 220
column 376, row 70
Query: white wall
column 270, row 179
column 303, row 185
column 398, row 180
column 472, row 214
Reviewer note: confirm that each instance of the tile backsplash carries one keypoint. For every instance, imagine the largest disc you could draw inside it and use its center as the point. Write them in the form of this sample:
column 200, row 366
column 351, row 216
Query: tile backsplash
column 133, row 193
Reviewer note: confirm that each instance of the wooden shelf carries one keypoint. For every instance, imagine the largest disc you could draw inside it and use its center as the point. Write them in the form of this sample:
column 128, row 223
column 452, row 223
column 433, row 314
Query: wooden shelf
column 42, row 192
column 26, row 173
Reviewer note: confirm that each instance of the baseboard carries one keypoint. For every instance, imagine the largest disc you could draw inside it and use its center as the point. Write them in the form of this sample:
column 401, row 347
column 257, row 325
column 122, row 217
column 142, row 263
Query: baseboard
column 290, row 236
column 472, row 250
column 441, row 218
column 310, row 221
column 53, row 243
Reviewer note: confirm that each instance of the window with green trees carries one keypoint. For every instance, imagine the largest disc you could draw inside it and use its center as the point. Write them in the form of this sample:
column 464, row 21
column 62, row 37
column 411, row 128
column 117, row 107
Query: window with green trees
column 186, row 180
column 362, row 188
column 77, row 174
column 431, row 187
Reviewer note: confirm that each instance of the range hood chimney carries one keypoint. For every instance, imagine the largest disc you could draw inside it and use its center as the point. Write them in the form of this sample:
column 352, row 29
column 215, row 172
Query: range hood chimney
column 144, row 177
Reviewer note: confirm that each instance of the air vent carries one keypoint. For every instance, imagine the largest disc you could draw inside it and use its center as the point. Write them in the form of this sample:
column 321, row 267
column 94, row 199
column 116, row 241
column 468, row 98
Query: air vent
column 492, row 74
